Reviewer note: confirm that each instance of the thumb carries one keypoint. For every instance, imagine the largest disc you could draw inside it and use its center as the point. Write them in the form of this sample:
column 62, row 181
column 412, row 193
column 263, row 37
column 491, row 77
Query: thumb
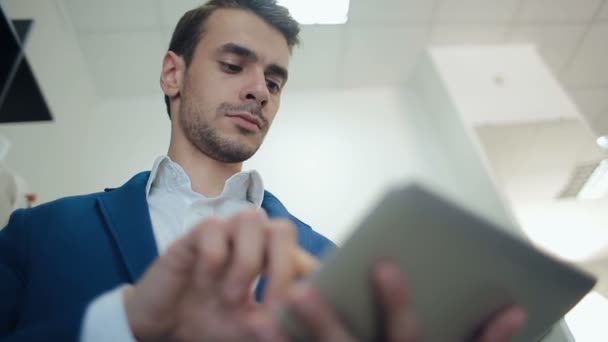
column 149, row 303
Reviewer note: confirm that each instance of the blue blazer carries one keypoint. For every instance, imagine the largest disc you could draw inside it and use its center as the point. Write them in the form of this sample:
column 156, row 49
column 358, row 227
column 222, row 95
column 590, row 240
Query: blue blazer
column 57, row 257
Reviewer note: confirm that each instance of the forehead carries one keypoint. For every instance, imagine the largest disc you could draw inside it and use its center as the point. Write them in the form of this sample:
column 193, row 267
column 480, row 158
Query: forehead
column 245, row 28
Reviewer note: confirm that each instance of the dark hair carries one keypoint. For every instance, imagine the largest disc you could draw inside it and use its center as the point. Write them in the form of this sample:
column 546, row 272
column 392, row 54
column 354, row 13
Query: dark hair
column 191, row 27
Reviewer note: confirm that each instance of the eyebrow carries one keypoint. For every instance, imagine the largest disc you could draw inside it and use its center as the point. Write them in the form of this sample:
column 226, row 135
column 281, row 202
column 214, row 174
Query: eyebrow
column 241, row 51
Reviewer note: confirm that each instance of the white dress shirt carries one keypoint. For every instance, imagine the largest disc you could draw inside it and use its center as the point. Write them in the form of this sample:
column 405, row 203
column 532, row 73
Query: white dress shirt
column 174, row 210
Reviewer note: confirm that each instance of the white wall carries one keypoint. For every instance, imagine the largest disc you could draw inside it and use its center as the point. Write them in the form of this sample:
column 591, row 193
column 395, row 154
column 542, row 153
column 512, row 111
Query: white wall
column 331, row 154
column 55, row 57
column 328, row 156
column 99, row 147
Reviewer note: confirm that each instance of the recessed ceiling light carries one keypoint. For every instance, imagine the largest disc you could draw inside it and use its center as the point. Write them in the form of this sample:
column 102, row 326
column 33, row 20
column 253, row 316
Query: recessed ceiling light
column 603, row 142
column 308, row 12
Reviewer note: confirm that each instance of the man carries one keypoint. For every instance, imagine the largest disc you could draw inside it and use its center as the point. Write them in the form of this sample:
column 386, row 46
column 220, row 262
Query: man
column 173, row 254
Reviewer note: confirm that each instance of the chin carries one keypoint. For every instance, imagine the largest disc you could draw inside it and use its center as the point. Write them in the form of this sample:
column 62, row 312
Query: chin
column 245, row 143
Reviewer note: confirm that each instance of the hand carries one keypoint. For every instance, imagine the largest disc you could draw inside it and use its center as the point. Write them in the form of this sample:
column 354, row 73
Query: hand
column 201, row 288
column 401, row 324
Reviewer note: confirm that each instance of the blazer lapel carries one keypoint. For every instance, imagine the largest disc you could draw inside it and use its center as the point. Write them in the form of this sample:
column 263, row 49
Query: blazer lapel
column 275, row 209
column 127, row 217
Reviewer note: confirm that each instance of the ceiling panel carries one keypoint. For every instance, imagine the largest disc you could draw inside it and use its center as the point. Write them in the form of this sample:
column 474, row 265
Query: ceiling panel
column 374, row 56
column 94, row 15
column 501, row 84
column 390, row 12
column 467, row 34
column 604, row 12
column 590, row 64
column 541, row 150
column 379, row 45
column 556, row 43
column 125, row 63
column 558, row 11
column 593, row 103
column 316, row 62
column 599, row 124
column 476, row 11
column 562, row 145
column 506, row 147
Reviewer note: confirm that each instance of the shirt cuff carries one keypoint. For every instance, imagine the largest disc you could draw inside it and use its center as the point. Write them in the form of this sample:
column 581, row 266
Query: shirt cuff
column 106, row 320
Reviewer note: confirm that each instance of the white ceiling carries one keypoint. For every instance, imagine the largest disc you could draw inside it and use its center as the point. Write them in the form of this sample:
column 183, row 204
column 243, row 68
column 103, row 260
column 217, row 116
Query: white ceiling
column 543, row 154
column 123, row 42
column 533, row 162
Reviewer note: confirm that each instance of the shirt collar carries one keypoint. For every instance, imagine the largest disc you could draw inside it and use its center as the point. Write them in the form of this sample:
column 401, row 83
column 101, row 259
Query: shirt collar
column 167, row 174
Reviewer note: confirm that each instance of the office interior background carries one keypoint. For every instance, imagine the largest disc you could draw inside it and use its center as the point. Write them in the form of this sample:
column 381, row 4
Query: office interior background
column 527, row 78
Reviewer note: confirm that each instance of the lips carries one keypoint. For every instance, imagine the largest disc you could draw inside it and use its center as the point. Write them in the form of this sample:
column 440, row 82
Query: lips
column 248, row 117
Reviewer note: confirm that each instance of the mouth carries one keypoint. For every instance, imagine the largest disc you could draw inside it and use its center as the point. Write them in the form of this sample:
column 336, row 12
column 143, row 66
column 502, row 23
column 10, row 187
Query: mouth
column 246, row 120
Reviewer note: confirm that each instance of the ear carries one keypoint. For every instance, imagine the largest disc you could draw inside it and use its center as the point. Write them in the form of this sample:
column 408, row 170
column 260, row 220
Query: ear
column 172, row 74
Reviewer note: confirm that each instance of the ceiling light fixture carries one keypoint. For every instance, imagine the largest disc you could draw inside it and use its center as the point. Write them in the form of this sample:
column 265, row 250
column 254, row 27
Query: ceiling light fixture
column 603, row 142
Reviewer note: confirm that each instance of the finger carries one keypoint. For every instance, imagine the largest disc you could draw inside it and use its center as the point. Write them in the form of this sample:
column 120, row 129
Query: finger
column 178, row 259
column 281, row 260
column 305, row 263
column 159, row 289
column 171, row 271
column 247, row 235
column 401, row 323
column 504, row 325
column 315, row 315
column 211, row 240
column 263, row 328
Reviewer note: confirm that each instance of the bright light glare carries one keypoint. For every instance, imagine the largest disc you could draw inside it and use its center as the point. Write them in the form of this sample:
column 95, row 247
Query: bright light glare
column 309, row 12
column 587, row 320
column 603, row 142
column 597, row 184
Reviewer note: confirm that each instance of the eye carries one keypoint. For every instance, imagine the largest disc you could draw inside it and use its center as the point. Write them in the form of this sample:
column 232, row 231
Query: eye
column 273, row 87
column 230, row 68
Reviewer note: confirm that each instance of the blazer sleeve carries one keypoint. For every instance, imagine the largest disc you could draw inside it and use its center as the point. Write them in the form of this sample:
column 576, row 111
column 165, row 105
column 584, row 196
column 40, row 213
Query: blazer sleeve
column 15, row 242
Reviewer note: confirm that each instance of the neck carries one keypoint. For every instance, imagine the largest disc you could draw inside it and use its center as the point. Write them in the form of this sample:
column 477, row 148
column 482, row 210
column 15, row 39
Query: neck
column 207, row 175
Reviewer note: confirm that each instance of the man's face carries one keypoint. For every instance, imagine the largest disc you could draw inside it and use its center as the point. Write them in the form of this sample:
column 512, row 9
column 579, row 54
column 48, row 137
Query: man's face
column 232, row 88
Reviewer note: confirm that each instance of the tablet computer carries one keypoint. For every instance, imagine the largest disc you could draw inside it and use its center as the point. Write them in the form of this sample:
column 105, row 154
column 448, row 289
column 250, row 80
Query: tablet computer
column 461, row 269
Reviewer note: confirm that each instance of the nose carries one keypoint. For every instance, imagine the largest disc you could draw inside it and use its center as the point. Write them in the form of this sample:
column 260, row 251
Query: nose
column 256, row 89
